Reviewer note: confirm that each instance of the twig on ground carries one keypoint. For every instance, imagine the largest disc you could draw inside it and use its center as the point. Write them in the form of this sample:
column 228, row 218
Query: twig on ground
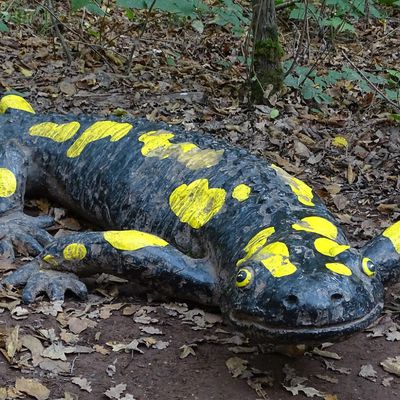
column 297, row 54
column 321, row 57
column 286, row 4
column 75, row 33
column 131, row 53
column 57, row 32
column 370, row 84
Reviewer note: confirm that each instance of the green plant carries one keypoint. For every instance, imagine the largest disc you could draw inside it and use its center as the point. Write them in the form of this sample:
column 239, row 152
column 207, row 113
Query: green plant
column 224, row 13
column 336, row 14
column 313, row 85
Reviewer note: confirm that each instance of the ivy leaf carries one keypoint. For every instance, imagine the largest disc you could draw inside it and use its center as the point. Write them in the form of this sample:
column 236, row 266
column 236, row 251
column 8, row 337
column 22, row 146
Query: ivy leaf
column 3, row 27
column 274, row 113
column 198, row 25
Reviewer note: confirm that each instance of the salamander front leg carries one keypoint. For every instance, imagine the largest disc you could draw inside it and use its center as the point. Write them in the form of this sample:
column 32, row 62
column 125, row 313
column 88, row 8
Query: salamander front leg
column 17, row 229
column 137, row 256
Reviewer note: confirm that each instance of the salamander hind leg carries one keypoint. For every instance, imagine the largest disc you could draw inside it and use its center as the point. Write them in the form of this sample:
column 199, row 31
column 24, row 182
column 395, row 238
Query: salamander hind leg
column 137, row 256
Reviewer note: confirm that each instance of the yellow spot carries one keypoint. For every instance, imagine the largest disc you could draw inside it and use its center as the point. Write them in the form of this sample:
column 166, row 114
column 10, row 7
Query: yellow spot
column 256, row 243
column 58, row 133
column 366, row 267
column 339, row 268
column 155, row 141
column 49, row 259
column 241, row 192
column 318, row 225
column 157, row 144
column 329, row 247
column 132, row 240
column 8, row 183
column 16, row 103
column 243, row 277
column 302, row 191
column 275, row 257
column 195, row 204
column 340, row 141
column 99, row 130
column 393, row 234
column 74, row 251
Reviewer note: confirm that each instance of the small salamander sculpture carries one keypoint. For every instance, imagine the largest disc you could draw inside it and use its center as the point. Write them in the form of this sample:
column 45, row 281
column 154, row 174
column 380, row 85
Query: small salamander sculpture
column 188, row 216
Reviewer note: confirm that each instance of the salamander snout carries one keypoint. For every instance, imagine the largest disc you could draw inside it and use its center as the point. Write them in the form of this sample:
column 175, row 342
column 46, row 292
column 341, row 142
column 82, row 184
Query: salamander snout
column 301, row 307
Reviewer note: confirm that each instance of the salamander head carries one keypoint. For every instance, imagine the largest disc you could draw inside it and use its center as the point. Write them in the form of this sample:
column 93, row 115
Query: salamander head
column 307, row 298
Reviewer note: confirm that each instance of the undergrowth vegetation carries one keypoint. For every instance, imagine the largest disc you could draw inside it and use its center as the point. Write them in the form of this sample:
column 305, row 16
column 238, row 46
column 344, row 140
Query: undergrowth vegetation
column 321, row 31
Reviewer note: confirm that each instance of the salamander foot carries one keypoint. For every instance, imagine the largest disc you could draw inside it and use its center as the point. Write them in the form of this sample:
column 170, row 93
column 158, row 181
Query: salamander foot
column 24, row 233
column 53, row 283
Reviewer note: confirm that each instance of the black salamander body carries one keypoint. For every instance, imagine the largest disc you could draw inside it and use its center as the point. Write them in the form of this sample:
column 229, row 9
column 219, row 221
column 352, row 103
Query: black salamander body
column 188, row 216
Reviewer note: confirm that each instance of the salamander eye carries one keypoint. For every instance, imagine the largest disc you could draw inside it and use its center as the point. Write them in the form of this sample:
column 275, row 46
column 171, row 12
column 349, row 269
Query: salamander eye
column 243, row 277
column 368, row 267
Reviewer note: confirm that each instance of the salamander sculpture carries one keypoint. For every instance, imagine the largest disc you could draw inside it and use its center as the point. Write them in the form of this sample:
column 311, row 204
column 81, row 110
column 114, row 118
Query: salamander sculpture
column 188, row 216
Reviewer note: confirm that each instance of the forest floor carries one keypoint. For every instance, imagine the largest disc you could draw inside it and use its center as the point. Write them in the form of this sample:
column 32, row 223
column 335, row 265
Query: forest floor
column 120, row 346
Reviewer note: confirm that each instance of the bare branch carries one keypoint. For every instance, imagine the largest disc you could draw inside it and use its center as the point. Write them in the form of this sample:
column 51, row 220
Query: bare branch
column 58, row 33
column 370, row 84
column 130, row 59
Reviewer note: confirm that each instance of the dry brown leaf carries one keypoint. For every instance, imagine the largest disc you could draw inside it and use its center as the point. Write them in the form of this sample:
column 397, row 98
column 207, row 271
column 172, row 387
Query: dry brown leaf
column 326, row 354
column 367, row 371
column 115, row 392
column 132, row 346
column 101, row 349
column 68, row 337
column 56, row 351
column 77, row 325
column 106, row 311
column 187, row 350
column 392, row 365
column 13, row 344
column 56, row 366
column 151, row 330
column 387, row 382
column 236, row 366
column 330, row 365
column 130, row 310
column 49, row 308
column 83, row 383
column 34, row 345
column 33, row 388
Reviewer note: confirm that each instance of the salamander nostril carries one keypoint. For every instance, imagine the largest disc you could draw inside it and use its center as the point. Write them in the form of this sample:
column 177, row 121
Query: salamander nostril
column 291, row 300
column 336, row 297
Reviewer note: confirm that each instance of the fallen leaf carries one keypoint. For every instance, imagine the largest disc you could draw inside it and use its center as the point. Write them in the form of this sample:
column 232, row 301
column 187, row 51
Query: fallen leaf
column 151, row 330
column 83, row 383
column 34, row 345
column 12, row 342
column 392, row 365
column 387, row 382
column 326, row 354
column 115, row 392
column 367, row 371
column 236, row 366
column 77, row 325
column 33, row 388
column 187, row 350
column 132, row 346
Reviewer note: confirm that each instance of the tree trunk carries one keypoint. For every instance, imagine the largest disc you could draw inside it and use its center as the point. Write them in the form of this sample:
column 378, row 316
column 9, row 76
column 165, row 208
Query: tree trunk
column 267, row 70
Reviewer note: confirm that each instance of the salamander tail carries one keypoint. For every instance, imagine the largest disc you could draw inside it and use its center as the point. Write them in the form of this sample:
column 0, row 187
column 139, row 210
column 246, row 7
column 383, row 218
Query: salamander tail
column 384, row 251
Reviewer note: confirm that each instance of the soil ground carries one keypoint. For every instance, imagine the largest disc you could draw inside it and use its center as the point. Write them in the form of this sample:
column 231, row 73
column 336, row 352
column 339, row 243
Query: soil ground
column 185, row 352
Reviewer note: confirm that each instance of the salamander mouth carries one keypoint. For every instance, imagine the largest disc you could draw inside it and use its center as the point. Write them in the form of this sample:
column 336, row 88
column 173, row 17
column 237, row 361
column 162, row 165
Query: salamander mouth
column 255, row 328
